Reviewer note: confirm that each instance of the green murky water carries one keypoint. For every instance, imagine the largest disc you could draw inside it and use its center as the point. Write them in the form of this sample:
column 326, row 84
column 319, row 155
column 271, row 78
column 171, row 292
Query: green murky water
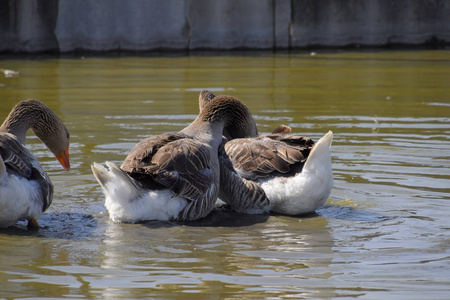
column 383, row 233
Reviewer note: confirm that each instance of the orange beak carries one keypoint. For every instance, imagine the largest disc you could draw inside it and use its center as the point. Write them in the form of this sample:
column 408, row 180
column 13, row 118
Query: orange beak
column 63, row 159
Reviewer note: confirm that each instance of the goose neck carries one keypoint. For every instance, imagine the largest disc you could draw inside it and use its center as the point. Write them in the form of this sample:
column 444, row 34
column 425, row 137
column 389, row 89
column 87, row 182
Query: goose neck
column 25, row 115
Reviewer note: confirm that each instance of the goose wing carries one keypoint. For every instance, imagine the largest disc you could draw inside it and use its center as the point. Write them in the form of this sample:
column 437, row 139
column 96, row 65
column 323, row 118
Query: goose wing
column 15, row 155
column 19, row 161
column 267, row 155
column 177, row 162
column 242, row 195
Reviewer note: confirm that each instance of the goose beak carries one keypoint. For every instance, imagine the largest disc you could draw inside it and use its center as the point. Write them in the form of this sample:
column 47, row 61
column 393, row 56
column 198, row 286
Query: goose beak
column 63, row 159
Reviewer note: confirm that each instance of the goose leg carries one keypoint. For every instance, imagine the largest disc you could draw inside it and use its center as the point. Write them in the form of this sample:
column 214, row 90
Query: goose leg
column 33, row 223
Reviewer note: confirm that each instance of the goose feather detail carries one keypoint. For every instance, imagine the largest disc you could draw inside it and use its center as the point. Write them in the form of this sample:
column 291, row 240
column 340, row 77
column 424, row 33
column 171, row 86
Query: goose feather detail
column 294, row 172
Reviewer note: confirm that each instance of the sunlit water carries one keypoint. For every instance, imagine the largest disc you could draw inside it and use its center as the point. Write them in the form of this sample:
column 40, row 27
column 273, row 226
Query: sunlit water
column 384, row 232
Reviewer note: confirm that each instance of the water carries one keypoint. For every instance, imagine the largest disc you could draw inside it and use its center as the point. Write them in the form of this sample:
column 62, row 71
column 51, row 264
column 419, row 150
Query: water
column 384, row 232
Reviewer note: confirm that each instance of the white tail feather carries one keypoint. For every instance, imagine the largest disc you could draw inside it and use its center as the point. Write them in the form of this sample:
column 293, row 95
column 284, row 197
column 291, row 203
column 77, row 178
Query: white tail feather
column 127, row 202
column 308, row 190
column 115, row 182
column 320, row 153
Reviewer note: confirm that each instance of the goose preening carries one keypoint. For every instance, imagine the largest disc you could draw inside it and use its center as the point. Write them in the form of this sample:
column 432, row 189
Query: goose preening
column 25, row 189
column 294, row 172
column 174, row 176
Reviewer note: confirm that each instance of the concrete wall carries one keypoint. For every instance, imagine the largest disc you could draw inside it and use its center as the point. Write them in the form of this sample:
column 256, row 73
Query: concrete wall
column 142, row 25
column 369, row 22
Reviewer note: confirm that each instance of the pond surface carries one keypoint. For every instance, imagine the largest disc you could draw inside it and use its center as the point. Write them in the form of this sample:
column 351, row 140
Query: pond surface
column 384, row 232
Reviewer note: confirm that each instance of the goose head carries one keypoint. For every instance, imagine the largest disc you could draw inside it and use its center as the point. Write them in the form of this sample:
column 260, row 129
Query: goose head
column 45, row 124
column 282, row 129
column 238, row 121
column 204, row 98
column 242, row 126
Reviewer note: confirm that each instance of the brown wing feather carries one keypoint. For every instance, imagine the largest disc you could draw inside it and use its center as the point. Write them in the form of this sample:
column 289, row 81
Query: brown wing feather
column 15, row 155
column 141, row 155
column 291, row 139
column 267, row 155
column 241, row 194
column 21, row 162
column 177, row 162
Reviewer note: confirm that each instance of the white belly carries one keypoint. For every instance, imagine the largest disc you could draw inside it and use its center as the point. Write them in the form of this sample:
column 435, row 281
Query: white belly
column 19, row 199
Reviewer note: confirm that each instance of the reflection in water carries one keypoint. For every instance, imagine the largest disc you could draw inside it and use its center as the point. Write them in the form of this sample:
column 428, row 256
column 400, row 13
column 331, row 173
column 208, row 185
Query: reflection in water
column 274, row 255
column 36, row 263
column 384, row 230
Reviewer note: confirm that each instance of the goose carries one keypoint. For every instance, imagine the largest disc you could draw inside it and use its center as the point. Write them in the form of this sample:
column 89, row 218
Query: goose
column 294, row 172
column 25, row 189
column 174, row 176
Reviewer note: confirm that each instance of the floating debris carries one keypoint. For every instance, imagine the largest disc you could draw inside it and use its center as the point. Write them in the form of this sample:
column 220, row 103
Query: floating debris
column 377, row 124
column 10, row 73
